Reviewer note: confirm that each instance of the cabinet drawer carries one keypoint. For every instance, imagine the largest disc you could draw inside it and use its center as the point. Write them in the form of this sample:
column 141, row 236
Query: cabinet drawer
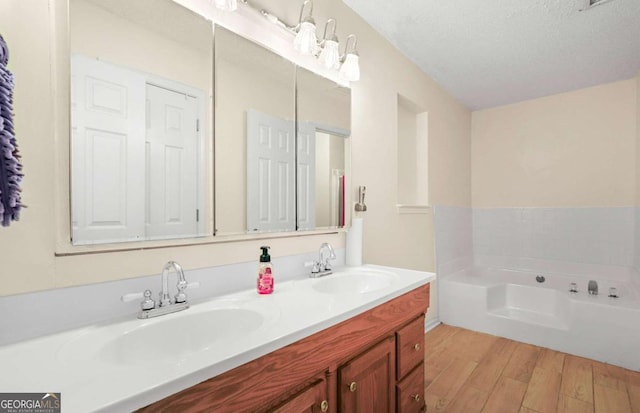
column 311, row 400
column 410, row 346
column 410, row 392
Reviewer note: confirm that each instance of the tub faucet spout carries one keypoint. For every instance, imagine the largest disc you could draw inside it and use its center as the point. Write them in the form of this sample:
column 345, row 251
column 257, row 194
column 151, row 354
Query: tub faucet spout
column 593, row 288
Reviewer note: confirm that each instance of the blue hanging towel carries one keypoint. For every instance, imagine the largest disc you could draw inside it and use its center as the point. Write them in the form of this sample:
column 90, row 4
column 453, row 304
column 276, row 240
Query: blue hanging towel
column 10, row 167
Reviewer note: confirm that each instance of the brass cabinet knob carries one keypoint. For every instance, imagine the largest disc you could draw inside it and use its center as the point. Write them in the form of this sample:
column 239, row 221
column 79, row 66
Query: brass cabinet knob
column 416, row 397
column 353, row 386
column 416, row 347
column 324, row 406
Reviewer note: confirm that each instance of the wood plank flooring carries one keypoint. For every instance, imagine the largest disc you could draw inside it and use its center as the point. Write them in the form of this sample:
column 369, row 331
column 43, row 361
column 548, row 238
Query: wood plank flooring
column 471, row 372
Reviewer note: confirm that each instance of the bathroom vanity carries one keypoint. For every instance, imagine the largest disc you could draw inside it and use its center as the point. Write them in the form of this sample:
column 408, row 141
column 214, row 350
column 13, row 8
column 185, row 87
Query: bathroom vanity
column 348, row 341
column 373, row 362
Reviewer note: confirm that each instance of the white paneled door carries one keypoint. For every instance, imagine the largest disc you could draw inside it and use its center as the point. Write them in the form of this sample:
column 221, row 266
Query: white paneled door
column 172, row 164
column 270, row 173
column 107, row 131
column 135, row 155
column 306, row 176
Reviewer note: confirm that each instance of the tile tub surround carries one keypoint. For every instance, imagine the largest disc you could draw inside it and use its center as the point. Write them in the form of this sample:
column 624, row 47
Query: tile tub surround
column 536, row 238
column 89, row 382
column 600, row 236
column 26, row 316
column 454, row 242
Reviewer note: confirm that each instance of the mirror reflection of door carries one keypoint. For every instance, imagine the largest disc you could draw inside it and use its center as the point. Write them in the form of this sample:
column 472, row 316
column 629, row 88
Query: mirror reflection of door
column 171, row 164
column 107, row 114
column 270, row 173
column 306, row 176
column 135, row 155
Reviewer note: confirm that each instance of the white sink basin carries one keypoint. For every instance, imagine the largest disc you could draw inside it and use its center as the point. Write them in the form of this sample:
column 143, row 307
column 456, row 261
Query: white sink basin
column 354, row 282
column 181, row 336
column 166, row 337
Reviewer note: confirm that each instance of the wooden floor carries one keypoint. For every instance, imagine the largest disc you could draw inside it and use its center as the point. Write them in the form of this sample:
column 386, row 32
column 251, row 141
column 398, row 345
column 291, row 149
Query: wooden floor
column 471, row 372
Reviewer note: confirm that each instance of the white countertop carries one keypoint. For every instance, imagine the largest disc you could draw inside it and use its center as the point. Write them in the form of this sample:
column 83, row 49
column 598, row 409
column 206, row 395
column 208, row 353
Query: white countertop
column 91, row 376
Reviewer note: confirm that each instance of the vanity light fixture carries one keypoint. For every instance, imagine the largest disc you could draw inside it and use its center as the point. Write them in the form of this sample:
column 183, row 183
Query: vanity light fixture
column 226, row 5
column 306, row 40
column 350, row 69
column 330, row 49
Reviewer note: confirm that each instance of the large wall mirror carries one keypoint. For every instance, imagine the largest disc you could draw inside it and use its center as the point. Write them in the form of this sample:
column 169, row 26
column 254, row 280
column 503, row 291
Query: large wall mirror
column 141, row 116
column 270, row 177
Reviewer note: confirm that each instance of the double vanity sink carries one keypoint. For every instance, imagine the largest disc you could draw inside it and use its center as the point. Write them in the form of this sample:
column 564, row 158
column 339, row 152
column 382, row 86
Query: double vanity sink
column 129, row 363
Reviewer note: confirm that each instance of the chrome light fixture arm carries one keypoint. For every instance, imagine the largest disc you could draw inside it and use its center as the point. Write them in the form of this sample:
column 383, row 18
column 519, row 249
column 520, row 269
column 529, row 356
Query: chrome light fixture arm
column 308, row 17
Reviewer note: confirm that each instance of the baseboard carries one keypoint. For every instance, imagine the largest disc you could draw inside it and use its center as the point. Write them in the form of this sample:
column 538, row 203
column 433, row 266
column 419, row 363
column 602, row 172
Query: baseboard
column 431, row 324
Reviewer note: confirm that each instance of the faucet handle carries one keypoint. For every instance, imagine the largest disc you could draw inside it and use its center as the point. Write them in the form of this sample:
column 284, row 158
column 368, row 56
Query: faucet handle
column 146, row 304
column 181, row 297
column 194, row 284
column 131, row 296
column 315, row 266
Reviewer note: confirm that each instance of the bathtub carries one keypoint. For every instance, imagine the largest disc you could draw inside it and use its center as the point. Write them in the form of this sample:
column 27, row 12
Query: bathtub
column 514, row 305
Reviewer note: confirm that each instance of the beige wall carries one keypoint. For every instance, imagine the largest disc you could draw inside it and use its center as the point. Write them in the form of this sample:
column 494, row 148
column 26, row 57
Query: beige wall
column 29, row 261
column 573, row 149
column 390, row 238
column 638, row 143
column 27, row 245
column 406, row 153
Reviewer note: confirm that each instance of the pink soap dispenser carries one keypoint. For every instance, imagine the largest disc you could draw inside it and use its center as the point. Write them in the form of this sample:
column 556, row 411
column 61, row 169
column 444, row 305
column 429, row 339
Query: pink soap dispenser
column 265, row 273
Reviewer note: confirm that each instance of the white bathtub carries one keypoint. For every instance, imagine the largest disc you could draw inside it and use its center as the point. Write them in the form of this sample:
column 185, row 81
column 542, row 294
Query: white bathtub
column 513, row 304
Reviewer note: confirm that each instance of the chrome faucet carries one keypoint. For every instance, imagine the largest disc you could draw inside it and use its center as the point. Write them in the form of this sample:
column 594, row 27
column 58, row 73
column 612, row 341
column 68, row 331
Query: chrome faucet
column 181, row 297
column 593, row 288
column 322, row 267
column 165, row 305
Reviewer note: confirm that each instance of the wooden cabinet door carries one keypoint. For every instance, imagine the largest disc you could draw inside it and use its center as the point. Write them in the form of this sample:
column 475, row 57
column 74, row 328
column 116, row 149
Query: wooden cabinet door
column 311, row 400
column 367, row 383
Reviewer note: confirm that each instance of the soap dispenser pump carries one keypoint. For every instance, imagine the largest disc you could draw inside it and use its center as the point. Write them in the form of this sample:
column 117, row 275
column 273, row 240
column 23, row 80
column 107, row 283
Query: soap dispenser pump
column 265, row 272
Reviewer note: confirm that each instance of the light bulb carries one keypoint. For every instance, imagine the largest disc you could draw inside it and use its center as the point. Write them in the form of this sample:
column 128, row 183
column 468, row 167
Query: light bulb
column 226, row 5
column 350, row 69
column 330, row 55
column 306, row 41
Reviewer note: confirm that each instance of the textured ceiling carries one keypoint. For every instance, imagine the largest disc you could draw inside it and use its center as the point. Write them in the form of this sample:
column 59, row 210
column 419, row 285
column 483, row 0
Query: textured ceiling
column 497, row 52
